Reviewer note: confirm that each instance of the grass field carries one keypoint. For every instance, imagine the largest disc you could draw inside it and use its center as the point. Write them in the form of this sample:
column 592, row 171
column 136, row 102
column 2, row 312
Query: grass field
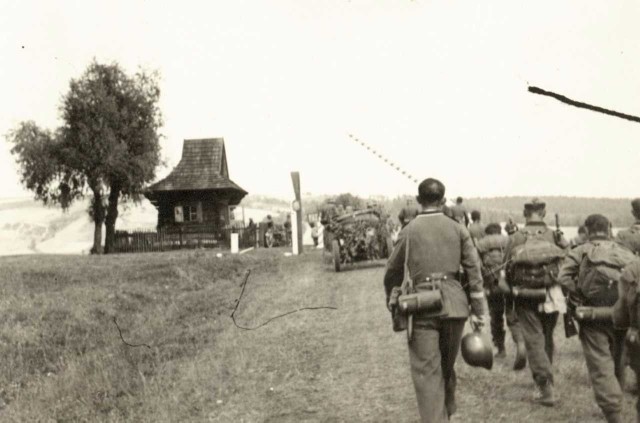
column 62, row 358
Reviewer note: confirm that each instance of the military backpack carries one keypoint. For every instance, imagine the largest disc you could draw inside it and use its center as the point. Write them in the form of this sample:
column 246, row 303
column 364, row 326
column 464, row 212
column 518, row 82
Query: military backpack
column 600, row 271
column 535, row 263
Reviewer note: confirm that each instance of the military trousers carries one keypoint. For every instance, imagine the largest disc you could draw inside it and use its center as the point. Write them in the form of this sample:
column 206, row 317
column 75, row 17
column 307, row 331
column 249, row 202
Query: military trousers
column 633, row 352
column 432, row 355
column 603, row 346
column 501, row 306
column 537, row 329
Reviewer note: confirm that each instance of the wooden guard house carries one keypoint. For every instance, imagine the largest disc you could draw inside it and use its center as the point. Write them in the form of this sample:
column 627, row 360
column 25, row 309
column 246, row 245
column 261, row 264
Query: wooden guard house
column 195, row 197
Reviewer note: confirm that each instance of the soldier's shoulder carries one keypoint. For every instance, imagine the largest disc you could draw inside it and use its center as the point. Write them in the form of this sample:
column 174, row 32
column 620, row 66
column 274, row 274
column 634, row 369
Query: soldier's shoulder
column 632, row 271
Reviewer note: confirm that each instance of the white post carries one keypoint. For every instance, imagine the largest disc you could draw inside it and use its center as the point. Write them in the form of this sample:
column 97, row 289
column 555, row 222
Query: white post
column 294, row 233
column 234, row 244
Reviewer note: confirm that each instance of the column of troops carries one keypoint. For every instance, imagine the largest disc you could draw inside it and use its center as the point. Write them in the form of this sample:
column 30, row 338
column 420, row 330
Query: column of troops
column 532, row 277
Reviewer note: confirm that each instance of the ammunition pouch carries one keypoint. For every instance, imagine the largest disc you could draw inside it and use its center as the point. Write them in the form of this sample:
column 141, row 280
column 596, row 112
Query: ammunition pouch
column 530, row 294
column 594, row 314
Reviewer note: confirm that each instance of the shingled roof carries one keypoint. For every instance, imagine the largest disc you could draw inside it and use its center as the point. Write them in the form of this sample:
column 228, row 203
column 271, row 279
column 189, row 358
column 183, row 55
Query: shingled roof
column 203, row 166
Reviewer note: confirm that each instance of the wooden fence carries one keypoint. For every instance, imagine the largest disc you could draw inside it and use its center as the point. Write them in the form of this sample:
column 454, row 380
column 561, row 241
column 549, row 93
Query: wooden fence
column 166, row 239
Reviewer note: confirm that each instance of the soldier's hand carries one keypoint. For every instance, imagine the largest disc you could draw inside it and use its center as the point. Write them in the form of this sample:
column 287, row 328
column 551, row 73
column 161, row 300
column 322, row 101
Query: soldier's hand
column 503, row 286
column 477, row 322
column 632, row 337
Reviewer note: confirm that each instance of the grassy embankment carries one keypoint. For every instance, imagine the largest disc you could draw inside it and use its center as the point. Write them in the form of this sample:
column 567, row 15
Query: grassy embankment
column 63, row 359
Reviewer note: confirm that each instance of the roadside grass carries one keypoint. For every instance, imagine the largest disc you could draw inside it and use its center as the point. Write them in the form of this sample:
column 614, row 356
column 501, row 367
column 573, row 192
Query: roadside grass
column 62, row 358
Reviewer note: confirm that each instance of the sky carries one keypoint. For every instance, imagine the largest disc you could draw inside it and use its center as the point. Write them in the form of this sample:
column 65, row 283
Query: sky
column 438, row 87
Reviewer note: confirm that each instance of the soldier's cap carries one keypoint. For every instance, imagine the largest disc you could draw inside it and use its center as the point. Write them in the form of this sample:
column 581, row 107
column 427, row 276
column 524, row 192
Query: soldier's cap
column 635, row 205
column 535, row 205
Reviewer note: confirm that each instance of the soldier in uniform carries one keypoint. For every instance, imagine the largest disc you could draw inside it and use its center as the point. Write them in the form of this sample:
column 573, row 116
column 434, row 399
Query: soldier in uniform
column 511, row 227
column 626, row 314
column 601, row 342
column 537, row 319
column 437, row 246
column 581, row 238
column 408, row 213
column 491, row 249
column 630, row 238
column 459, row 212
column 476, row 229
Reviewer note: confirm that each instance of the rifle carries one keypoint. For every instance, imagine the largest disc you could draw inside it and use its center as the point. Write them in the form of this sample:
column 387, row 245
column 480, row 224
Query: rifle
column 573, row 302
column 557, row 235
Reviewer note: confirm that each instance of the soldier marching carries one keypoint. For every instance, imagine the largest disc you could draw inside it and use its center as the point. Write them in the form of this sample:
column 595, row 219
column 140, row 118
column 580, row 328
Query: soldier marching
column 529, row 275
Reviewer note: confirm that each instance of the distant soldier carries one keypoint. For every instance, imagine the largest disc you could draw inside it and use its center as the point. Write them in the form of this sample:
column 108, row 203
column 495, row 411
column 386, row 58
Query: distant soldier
column 631, row 237
column 533, row 256
column 314, row 233
column 511, row 227
column 491, row 249
column 459, row 212
column 287, row 230
column 590, row 274
column 433, row 247
column 626, row 314
column 476, row 229
column 408, row 213
column 581, row 238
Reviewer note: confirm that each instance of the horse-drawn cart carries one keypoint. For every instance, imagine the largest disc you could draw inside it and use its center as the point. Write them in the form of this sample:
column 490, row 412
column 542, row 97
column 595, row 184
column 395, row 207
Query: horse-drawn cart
column 357, row 236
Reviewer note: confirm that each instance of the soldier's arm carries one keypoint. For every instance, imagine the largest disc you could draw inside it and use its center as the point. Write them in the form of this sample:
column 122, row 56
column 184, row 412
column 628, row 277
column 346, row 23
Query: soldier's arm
column 622, row 239
column 569, row 270
column 471, row 264
column 394, row 273
column 561, row 241
column 506, row 265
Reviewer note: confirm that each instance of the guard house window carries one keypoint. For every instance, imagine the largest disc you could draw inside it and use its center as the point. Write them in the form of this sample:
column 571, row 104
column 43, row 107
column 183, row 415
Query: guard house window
column 190, row 213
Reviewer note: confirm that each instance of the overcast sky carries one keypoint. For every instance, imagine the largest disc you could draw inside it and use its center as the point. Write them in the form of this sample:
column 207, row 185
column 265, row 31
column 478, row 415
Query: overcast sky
column 440, row 87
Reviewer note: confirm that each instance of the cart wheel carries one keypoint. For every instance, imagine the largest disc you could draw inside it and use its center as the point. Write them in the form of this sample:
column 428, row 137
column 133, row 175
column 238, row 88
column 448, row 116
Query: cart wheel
column 389, row 246
column 335, row 249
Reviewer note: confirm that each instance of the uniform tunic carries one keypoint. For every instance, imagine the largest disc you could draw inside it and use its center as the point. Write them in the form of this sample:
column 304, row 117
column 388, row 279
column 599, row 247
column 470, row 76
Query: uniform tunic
column 407, row 214
column 601, row 343
column 627, row 315
column 499, row 304
column 476, row 229
column 437, row 244
column 537, row 327
column 630, row 238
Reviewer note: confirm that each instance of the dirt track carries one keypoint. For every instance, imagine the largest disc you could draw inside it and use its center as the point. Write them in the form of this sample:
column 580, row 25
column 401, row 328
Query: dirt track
column 347, row 365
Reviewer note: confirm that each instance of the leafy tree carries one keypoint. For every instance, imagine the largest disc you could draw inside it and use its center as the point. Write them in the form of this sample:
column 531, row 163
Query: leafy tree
column 348, row 199
column 108, row 145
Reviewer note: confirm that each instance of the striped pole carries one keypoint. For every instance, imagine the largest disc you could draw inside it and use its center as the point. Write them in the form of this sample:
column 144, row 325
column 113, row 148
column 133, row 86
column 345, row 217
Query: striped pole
column 383, row 158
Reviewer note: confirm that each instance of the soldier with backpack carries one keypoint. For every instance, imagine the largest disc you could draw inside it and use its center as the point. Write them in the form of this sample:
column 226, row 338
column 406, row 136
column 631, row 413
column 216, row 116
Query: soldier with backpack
column 626, row 315
column 532, row 263
column 590, row 274
column 491, row 249
column 630, row 238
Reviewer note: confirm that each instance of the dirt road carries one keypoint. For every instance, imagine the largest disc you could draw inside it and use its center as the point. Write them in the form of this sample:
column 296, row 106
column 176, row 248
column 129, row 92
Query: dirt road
column 347, row 365
column 64, row 360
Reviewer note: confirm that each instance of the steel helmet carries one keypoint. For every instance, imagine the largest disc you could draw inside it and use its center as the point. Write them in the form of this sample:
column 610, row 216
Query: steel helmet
column 476, row 352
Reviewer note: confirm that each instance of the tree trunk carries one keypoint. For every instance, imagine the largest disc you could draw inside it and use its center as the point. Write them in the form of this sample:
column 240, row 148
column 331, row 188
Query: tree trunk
column 110, row 222
column 97, row 213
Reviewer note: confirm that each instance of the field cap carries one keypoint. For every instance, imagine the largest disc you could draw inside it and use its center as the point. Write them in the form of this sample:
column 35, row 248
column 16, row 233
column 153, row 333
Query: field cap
column 535, row 205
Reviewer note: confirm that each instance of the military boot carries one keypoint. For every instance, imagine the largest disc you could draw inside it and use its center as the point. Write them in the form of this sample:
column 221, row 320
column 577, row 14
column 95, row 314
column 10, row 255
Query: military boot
column 545, row 395
column 521, row 354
